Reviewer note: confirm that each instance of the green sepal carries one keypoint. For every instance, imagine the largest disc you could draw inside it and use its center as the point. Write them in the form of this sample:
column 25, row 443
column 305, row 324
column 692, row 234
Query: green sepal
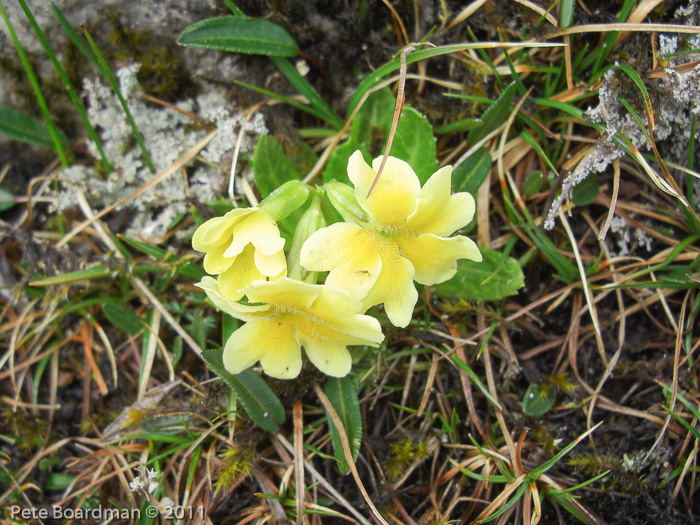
column 343, row 199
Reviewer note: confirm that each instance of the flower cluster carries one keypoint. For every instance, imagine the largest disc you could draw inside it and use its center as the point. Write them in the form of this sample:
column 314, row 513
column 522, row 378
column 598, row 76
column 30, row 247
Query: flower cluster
column 394, row 235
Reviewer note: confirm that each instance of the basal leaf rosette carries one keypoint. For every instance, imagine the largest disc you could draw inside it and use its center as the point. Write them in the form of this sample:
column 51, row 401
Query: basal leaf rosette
column 406, row 241
column 241, row 247
column 323, row 319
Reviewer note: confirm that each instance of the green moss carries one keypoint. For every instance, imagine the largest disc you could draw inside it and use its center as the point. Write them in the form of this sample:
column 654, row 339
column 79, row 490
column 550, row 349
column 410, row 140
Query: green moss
column 162, row 74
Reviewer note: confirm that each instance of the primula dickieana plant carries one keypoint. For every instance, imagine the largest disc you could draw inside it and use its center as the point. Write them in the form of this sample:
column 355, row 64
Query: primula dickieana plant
column 403, row 241
column 395, row 234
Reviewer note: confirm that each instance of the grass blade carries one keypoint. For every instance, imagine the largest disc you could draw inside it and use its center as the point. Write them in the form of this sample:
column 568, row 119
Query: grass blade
column 284, row 99
column 65, row 24
column 302, row 86
column 98, row 272
column 67, row 83
column 376, row 76
column 117, row 91
column 41, row 101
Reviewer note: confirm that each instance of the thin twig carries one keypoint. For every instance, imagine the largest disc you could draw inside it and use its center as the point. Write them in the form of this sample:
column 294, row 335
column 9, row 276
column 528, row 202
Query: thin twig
column 338, row 423
column 400, row 99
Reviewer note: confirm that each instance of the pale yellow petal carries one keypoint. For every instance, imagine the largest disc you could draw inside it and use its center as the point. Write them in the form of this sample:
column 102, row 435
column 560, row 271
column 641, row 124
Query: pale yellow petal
column 217, row 231
column 284, row 292
column 242, row 272
column 242, row 349
column 271, row 265
column 360, row 330
column 439, row 212
column 349, row 252
column 332, row 359
column 435, row 258
column 282, row 357
column 334, row 302
column 393, row 199
column 257, row 229
column 395, row 289
column 215, row 262
column 239, row 311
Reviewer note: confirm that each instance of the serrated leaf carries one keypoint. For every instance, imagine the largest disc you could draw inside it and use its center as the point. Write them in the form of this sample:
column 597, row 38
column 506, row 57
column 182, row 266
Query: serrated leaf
column 470, row 175
column 539, row 399
column 342, row 394
column 239, row 35
column 494, row 116
column 301, row 155
column 492, row 279
column 7, row 200
column 585, row 192
column 123, row 318
column 337, row 166
column 258, row 399
column 371, row 125
column 19, row 126
column 271, row 167
column 414, row 142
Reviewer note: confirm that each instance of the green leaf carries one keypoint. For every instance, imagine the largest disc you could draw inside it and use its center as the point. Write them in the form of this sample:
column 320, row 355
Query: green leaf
column 533, row 183
column 371, row 125
column 414, row 142
column 239, row 35
column 494, row 278
column 123, row 318
column 58, row 481
column 539, row 399
column 342, row 394
column 470, row 175
column 7, row 200
column 465, row 124
column 18, row 126
column 337, row 166
column 301, row 155
column 586, row 191
column 271, row 167
column 258, row 399
column 566, row 12
column 494, row 116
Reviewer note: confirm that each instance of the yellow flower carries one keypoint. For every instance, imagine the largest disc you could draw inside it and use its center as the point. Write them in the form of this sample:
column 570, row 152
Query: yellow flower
column 405, row 240
column 321, row 318
column 242, row 246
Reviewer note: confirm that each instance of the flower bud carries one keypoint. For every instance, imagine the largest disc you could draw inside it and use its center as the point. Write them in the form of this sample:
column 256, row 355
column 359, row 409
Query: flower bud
column 310, row 222
column 343, row 199
column 285, row 199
